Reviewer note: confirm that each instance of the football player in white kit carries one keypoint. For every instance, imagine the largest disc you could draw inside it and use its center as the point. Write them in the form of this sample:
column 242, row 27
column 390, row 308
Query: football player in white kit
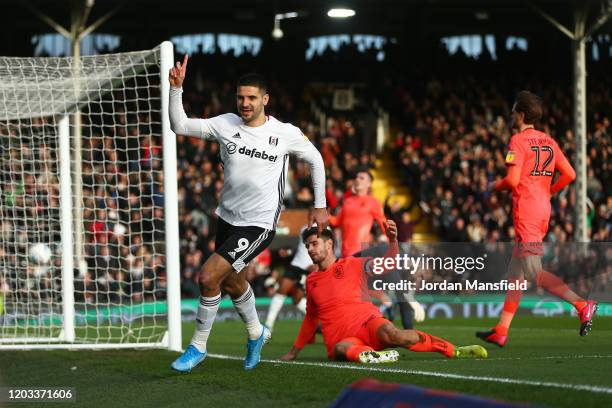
column 255, row 150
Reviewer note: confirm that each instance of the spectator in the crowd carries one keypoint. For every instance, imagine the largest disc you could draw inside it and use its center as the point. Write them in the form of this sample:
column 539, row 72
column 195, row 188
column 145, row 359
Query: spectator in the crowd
column 402, row 217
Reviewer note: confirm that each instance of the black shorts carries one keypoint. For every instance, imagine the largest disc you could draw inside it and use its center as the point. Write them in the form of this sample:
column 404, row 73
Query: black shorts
column 239, row 245
column 296, row 274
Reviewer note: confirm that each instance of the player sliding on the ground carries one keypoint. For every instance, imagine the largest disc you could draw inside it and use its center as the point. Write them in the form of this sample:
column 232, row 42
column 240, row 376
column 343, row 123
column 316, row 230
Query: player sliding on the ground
column 532, row 159
column 254, row 150
column 353, row 328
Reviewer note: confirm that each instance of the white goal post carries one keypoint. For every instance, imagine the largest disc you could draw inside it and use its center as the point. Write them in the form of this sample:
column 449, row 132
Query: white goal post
column 89, row 241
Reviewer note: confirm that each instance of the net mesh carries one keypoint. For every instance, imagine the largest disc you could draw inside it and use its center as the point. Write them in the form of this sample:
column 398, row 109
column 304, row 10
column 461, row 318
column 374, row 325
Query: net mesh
column 117, row 198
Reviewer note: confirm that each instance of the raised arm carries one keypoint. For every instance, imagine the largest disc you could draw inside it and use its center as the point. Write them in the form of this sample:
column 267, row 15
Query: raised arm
column 305, row 150
column 179, row 122
column 391, row 232
column 392, row 251
column 422, row 214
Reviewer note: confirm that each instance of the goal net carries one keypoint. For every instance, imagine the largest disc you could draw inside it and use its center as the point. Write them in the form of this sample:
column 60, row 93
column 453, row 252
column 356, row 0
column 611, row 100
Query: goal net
column 86, row 207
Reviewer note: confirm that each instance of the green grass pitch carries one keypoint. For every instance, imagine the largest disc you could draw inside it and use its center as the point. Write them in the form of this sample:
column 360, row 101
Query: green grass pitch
column 545, row 362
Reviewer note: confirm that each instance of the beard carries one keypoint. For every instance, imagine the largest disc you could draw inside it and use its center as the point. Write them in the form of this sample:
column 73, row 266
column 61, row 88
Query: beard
column 318, row 257
column 247, row 116
column 251, row 115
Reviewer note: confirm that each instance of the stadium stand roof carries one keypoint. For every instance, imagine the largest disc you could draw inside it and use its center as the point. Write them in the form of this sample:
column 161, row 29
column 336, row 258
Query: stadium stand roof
column 145, row 23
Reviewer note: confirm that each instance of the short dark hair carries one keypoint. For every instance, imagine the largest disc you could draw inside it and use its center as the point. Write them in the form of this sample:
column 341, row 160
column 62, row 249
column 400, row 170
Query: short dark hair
column 326, row 234
column 255, row 80
column 365, row 170
column 530, row 105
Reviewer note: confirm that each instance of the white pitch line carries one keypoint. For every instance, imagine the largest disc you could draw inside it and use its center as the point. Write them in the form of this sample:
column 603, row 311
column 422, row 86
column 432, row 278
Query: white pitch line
column 564, row 357
column 503, row 380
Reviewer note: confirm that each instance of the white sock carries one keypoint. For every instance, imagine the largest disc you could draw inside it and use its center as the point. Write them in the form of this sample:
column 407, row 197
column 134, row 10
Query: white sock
column 301, row 305
column 245, row 306
column 207, row 310
column 276, row 304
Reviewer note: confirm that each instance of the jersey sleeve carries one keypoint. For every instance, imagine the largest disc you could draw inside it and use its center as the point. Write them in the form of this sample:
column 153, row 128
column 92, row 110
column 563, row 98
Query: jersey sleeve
column 561, row 161
column 563, row 166
column 182, row 125
column 309, row 325
column 300, row 146
column 515, row 155
column 367, row 265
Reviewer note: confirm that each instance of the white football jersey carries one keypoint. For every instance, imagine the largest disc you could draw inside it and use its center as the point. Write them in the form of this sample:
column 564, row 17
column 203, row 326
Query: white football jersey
column 255, row 163
column 301, row 259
